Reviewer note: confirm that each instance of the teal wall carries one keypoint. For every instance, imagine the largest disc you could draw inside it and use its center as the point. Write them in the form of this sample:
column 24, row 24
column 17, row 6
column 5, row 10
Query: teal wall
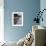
column 28, row 7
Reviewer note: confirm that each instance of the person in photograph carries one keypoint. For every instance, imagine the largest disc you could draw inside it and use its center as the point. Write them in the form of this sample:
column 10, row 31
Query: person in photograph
column 17, row 19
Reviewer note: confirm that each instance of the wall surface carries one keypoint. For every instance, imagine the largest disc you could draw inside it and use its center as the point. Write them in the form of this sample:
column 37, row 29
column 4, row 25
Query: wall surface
column 29, row 8
column 43, row 6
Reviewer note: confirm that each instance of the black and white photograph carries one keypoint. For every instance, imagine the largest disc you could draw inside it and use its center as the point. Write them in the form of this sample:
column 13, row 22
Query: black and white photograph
column 17, row 18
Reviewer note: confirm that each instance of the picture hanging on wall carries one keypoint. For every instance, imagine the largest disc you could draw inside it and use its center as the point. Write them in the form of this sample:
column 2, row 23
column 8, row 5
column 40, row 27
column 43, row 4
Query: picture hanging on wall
column 17, row 18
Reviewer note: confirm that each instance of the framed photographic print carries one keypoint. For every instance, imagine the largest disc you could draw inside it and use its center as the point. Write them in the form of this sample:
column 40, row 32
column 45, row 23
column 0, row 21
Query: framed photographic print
column 17, row 18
